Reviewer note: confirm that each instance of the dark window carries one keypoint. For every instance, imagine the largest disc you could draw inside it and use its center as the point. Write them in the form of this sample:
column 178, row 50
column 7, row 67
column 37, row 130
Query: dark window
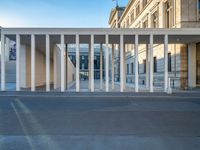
column 144, row 3
column 145, row 24
column 155, row 19
column 199, row 8
column 168, row 18
column 127, row 69
column 199, row 5
column 132, row 68
column 169, row 62
column 138, row 9
column 155, row 64
column 144, row 66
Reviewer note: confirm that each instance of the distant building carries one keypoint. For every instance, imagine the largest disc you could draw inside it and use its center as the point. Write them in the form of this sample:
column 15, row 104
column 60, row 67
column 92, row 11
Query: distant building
column 84, row 62
column 184, row 72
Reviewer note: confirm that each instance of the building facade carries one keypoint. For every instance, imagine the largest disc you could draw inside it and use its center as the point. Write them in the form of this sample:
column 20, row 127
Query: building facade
column 160, row 14
column 84, row 62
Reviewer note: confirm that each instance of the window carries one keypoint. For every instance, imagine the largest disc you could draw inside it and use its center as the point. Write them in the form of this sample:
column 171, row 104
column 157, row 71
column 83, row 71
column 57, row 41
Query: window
column 137, row 9
column 169, row 62
column 199, row 9
column 168, row 14
column 145, row 24
column 82, row 57
column 131, row 68
column 132, row 16
column 155, row 64
column 127, row 69
column 144, row 3
column 127, row 22
column 83, row 66
column 144, row 66
column 155, row 19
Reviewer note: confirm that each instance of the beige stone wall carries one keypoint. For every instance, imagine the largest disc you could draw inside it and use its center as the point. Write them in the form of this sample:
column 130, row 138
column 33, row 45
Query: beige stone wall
column 40, row 68
column 185, row 15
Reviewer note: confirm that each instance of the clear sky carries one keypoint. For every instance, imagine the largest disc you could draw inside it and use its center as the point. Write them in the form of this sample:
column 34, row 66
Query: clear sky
column 56, row 13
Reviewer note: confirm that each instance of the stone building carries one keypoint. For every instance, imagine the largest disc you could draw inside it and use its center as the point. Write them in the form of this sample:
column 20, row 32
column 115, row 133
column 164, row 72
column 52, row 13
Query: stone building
column 183, row 59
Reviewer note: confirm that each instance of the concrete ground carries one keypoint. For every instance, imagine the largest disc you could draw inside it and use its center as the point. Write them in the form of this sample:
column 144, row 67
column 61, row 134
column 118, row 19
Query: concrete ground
column 99, row 121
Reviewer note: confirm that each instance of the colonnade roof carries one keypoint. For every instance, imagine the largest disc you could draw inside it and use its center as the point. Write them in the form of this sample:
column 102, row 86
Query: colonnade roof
column 175, row 35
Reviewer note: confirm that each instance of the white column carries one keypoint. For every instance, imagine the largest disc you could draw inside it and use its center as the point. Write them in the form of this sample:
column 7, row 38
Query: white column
column 136, row 63
column 113, row 67
column 18, row 62
column 107, row 64
column 7, row 48
column 3, row 88
column 77, row 64
column 47, row 63
column 92, row 63
column 66, row 67
column 121, row 63
column 125, row 69
column 101, row 66
column 62, row 63
column 151, row 63
column 32, row 63
column 89, row 67
column 165, row 63
column 147, row 66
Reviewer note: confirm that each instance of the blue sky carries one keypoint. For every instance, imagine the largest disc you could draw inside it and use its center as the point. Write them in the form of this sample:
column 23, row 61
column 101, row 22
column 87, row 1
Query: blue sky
column 56, row 13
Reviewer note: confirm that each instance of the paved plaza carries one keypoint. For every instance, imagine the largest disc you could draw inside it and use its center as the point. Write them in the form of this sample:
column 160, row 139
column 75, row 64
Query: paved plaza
column 99, row 121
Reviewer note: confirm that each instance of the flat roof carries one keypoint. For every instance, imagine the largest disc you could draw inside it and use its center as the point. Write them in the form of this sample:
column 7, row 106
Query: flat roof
column 114, row 31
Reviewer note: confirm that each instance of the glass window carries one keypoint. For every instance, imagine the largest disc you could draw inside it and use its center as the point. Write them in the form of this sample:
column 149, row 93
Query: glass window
column 145, row 24
column 138, row 9
column 132, row 16
column 144, row 66
column 155, row 64
column 155, row 19
column 132, row 68
column 169, row 62
column 168, row 14
column 144, row 3
column 83, row 66
column 127, row 69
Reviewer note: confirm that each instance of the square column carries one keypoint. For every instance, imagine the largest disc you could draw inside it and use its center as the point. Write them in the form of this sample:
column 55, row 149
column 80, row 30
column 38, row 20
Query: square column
column 121, row 63
column 147, row 66
column 151, row 64
column 18, row 62
column 125, row 69
column 165, row 63
column 113, row 67
column 47, row 64
column 32, row 63
column 107, row 65
column 77, row 63
column 3, row 88
column 62, row 54
column 89, row 67
column 92, row 63
column 101, row 66
column 66, row 67
column 136, row 64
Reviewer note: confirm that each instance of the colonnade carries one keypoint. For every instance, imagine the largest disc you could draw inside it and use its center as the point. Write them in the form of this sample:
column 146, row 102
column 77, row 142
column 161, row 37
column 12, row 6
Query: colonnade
column 91, row 66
